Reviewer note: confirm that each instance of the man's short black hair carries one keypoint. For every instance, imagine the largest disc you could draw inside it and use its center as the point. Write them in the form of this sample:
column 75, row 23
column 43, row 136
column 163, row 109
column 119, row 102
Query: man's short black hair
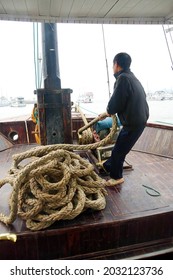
column 123, row 60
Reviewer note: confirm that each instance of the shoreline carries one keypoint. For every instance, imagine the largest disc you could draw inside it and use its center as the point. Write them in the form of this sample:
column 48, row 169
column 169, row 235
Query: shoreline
column 160, row 111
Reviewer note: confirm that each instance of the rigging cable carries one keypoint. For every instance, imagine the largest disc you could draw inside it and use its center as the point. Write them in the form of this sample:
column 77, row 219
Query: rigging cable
column 169, row 51
column 108, row 82
column 37, row 59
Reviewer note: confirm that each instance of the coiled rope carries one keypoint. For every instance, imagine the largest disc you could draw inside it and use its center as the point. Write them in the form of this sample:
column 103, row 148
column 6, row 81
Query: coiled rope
column 53, row 183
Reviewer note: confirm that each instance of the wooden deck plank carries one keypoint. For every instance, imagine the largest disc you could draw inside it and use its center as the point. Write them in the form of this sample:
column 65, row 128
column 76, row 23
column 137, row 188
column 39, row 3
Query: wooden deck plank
column 131, row 216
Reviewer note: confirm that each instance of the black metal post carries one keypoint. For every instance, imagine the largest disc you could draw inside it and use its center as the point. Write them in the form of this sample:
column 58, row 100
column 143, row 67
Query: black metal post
column 50, row 56
column 54, row 103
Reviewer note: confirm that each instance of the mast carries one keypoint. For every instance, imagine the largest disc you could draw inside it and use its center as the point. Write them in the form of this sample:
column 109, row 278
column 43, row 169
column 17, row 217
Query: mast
column 50, row 56
column 54, row 103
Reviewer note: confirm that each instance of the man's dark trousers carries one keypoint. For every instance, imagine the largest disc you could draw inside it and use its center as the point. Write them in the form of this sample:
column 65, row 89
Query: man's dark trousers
column 125, row 141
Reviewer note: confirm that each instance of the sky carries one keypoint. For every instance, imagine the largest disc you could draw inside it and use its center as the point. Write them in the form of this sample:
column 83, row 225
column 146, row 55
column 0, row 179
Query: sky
column 82, row 57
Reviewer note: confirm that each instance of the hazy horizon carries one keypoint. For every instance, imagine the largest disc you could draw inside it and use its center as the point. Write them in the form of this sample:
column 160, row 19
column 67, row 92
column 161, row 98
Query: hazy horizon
column 82, row 58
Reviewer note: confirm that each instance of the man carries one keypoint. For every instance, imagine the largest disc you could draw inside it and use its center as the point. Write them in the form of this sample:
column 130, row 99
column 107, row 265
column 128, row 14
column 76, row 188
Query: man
column 128, row 101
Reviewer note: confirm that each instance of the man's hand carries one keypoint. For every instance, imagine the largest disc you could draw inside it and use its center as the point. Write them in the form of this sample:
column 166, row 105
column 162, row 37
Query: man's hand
column 104, row 116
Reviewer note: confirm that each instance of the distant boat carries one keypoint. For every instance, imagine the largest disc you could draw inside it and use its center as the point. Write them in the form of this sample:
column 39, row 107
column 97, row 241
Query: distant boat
column 86, row 97
column 4, row 101
column 160, row 95
column 18, row 102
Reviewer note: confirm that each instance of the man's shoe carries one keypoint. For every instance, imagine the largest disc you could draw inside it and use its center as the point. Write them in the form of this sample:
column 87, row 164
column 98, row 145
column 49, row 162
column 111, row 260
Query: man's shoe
column 113, row 182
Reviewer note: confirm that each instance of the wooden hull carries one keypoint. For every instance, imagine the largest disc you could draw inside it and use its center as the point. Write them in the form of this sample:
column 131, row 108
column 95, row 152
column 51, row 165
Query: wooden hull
column 136, row 223
column 24, row 128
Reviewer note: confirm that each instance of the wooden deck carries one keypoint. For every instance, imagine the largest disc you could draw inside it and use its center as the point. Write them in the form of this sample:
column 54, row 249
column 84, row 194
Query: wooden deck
column 137, row 222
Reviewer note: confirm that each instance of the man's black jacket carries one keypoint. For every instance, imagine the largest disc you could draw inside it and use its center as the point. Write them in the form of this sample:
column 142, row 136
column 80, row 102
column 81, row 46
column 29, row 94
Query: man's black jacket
column 128, row 100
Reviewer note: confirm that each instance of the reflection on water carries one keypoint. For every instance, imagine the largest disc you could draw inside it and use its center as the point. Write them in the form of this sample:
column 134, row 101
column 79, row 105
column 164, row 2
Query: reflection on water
column 160, row 111
column 10, row 112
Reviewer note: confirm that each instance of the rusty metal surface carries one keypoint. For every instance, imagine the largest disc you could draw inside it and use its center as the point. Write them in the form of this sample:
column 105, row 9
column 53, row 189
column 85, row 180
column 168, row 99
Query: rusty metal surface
column 21, row 129
column 54, row 107
column 17, row 125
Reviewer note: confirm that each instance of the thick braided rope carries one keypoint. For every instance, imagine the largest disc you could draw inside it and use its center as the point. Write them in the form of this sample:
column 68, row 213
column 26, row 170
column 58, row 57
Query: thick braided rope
column 55, row 184
column 59, row 185
column 86, row 137
column 39, row 151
